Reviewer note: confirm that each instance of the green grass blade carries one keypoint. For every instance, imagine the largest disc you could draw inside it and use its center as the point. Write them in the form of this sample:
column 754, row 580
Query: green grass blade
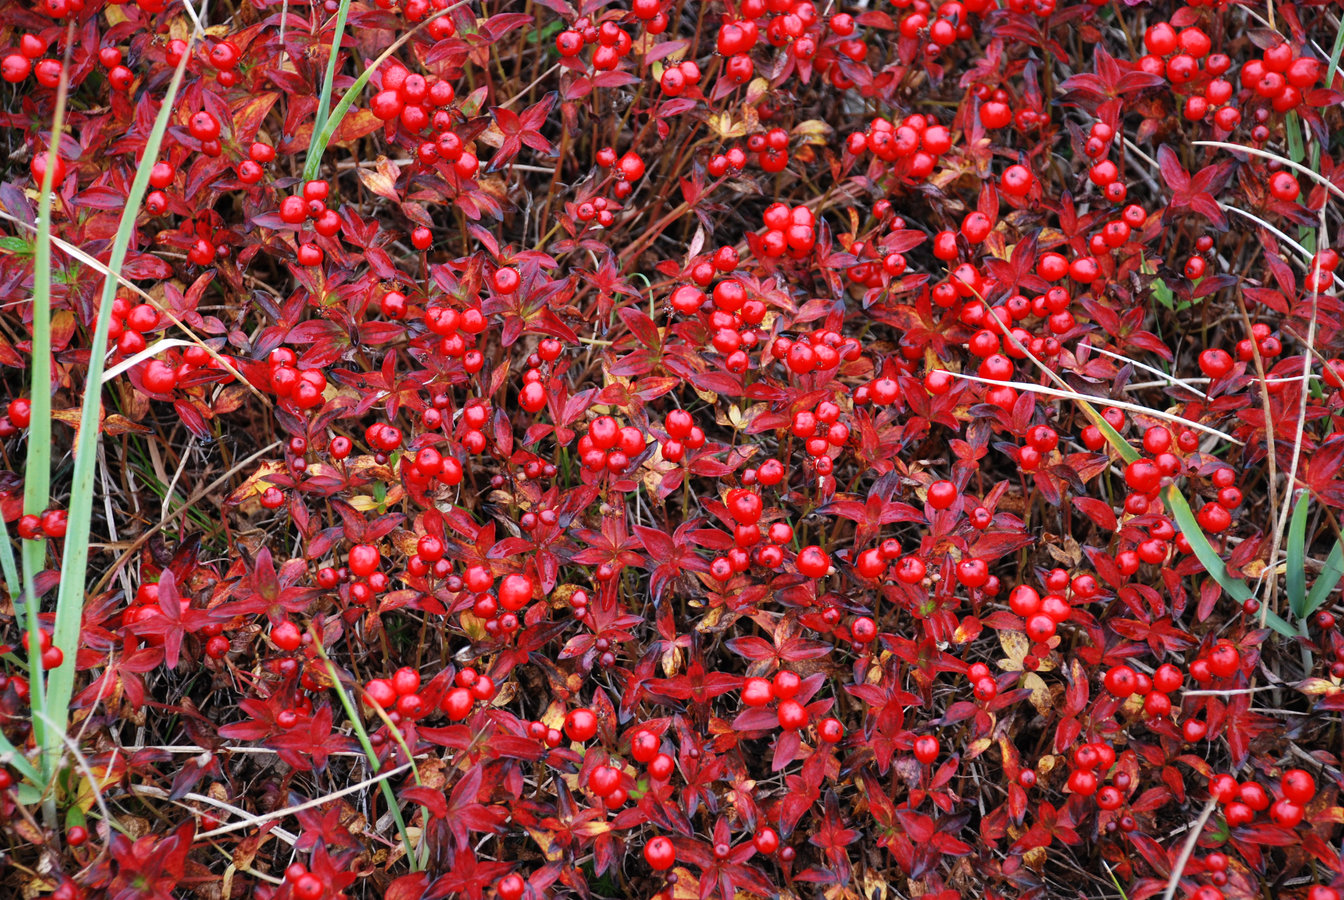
column 10, row 756
column 1213, row 563
column 74, row 565
column 1296, row 152
column 1189, row 525
column 1292, row 130
column 362, row 733
column 37, row 468
column 1119, row 443
column 324, row 101
column 11, row 572
column 1335, row 53
column 1296, row 575
column 1326, row 582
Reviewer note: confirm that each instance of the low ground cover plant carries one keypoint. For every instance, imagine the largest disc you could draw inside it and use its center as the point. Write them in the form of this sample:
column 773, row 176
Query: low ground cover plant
column 653, row 448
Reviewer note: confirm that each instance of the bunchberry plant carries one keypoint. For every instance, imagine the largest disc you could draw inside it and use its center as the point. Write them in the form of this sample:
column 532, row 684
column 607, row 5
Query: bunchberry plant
column 671, row 449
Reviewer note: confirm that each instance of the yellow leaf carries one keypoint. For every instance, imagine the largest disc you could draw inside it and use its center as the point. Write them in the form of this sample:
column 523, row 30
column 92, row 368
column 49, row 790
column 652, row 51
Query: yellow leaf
column 725, row 128
column 687, row 886
column 976, row 747
column 492, row 136
column 255, row 484
column 1040, row 693
column 405, row 541
column 654, row 470
column 85, row 795
column 382, row 179
column 710, row 620
column 474, row 627
column 1015, row 648
column 756, row 91
column 874, row 886
column 554, row 717
column 546, row 842
column 813, row 131
column 592, row 828
column 1318, row 687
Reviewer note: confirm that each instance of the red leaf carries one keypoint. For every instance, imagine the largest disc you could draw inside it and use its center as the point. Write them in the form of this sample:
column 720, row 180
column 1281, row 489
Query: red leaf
column 1098, row 511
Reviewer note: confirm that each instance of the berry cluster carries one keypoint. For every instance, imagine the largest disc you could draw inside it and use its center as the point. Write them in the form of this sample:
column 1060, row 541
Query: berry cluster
column 908, row 151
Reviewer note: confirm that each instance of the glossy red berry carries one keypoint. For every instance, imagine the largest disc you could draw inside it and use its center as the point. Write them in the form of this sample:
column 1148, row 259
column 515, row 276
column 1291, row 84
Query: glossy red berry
column 660, row 854
column 580, row 725
column 813, row 562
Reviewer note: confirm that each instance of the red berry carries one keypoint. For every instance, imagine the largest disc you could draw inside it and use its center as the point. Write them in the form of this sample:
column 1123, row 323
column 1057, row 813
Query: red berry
column 364, row 560
column 1284, row 187
column 1298, row 786
column 792, row 715
column 766, row 840
column 1016, row 181
column 813, row 562
column 580, row 725
column 15, row 68
column 644, row 746
column 515, row 592
column 660, row 854
column 1120, row 681
column 757, row 692
column 287, row 636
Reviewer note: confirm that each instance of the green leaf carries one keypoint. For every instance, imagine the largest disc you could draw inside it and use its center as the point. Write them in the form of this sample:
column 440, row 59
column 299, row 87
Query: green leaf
column 1161, row 292
column 1213, row 563
column 362, row 734
column 37, row 468
column 10, row 756
column 1335, row 53
column 11, row 571
column 1326, row 582
column 75, row 562
column 1296, row 575
column 13, row 244
column 324, row 101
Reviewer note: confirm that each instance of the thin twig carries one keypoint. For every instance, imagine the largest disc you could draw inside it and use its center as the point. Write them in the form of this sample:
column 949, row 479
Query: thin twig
column 310, row 804
column 1189, row 386
column 103, row 270
column 191, row 501
column 1087, row 398
column 1188, row 849
column 146, row 790
column 1322, row 241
